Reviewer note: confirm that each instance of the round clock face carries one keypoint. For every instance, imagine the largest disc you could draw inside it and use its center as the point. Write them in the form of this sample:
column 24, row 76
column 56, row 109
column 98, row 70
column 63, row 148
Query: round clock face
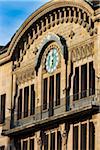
column 52, row 60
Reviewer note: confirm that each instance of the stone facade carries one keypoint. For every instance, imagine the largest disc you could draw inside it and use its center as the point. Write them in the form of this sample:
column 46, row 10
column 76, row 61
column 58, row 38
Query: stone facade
column 57, row 109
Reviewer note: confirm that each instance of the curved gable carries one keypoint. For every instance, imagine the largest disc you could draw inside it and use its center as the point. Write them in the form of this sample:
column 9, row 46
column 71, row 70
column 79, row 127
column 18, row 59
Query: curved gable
column 48, row 16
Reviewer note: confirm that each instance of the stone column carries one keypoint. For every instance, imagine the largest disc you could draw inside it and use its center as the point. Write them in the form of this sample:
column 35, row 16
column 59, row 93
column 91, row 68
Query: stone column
column 46, row 18
column 88, row 79
column 59, row 12
column 55, row 13
column 33, row 30
column 75, row 19
column 64, row 136
column 79, row 135
column 50, row 19
column 29, row 38
column 88, row 130
column 38, row 140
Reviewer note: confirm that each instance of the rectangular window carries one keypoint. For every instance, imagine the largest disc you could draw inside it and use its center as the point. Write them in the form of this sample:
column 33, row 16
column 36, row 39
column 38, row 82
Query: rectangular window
column 45, row 93
column 19, row 112
column 83, row 81
column 92, row 136
column 52, row 141
column 26, row 100
column 25, row 143
column 75, row 138
column 83, row 136
column 32, row 107
column 76, row 84
column 2, row 108
column 2, row 147
column 91, row 79
column 46, row 142
column 59, row 141
column 58, row 89
column 51, row 95
column 31, row 144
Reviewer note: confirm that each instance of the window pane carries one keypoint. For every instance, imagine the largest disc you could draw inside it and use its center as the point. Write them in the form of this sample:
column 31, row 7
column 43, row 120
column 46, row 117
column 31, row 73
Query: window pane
column 75, row 138
column 19, row 114
column 83, row 136
column 24, row 145
column 52, row 141
column 32, row 144
column 92, row 137
column 26, row 99
column 59, row 142
column 76, row 84
column 2, row 147
column 46, row 142
column 45, row 90
column 91, row 79
column 58, row 89
column 2, row 109
column 32, row 107
column 84, row 81
column 51, row 96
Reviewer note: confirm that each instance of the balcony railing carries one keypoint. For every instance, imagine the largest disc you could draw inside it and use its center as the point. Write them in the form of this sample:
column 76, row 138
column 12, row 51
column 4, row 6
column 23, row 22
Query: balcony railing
column 68, row 104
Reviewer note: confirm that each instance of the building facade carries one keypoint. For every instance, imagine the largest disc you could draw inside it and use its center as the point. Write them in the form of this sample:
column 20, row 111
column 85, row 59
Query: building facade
column 50, row 80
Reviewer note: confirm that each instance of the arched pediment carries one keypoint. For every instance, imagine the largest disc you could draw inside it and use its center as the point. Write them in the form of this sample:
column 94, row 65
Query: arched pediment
column 51, row 37
column 49, row 9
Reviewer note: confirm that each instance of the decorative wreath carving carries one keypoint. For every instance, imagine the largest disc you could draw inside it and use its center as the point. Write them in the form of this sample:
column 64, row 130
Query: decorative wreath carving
column 82, row 51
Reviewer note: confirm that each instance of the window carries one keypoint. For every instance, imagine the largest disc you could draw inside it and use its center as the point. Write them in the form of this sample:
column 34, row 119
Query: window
column 51, row 95
column 83, row 81
column 59, row 141
column 32, row 107
column 75, row 138
column 19, row 114
column 92, row 137
column 25, row 144
column 46, row 142
column 2, row 147
column 45, row 93
column 76, row 84
column 52, row 141
column 83, row 136
column 31, row 144
column 81, row 132
column 26, row 100
column 91, row 79
column 2, row 108
column 58, row 89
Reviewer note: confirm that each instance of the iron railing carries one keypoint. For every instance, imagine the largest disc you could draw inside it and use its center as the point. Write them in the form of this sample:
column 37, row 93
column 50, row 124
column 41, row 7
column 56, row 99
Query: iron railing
column 67, row 104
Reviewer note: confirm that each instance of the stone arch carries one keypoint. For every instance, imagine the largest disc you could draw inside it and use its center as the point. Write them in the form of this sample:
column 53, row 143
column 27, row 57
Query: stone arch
column 51, row 37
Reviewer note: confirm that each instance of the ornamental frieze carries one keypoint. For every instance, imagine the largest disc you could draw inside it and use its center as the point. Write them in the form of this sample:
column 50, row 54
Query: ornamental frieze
column 25, row 75
column 82, row 51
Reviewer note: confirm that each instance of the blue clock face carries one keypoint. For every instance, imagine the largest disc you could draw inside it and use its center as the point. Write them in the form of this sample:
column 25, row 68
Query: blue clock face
column 52, row 60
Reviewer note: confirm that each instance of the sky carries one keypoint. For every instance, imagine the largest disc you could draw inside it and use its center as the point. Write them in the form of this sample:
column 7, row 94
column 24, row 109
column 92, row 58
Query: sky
column 13, row 13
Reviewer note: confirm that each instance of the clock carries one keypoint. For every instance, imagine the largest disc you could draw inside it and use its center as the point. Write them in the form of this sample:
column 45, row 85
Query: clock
column 52, row 60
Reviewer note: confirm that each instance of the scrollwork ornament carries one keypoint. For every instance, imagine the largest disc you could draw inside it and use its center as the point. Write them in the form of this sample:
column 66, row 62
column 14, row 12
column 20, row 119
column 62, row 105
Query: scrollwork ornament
column 39, row 141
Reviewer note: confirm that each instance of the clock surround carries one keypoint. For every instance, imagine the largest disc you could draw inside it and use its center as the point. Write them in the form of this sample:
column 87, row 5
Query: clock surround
column 52, row 60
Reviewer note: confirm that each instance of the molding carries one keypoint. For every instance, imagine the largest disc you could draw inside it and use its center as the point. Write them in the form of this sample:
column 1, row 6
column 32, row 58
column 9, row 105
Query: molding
column 83, row 51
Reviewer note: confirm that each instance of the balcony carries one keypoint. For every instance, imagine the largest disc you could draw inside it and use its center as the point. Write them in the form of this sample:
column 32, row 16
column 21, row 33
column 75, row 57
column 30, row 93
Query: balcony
column 68, row 108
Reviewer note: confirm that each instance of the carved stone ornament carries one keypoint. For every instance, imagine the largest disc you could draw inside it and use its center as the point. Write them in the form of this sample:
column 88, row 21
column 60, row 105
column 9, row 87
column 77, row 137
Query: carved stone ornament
column 39, row 141
column 25, row 75
column 82, row 51
column 64, row 135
